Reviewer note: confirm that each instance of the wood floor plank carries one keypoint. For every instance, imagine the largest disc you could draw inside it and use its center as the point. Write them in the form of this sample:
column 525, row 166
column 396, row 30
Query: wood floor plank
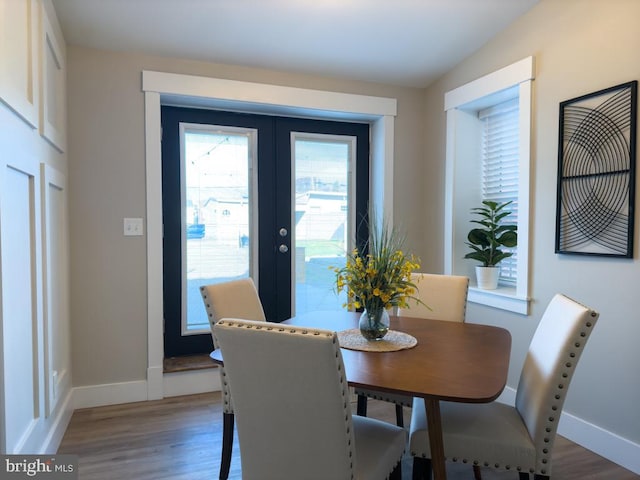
column 180, row 438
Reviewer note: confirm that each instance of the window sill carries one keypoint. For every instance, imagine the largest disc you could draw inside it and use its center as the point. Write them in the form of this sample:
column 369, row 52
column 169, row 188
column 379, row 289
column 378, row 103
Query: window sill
column 504, row 298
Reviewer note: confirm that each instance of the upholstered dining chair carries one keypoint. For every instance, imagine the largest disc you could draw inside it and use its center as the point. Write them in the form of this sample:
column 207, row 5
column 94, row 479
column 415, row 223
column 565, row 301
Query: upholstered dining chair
column 238, row 299
column 444, row 297
column 293, row 414
column 518, row 438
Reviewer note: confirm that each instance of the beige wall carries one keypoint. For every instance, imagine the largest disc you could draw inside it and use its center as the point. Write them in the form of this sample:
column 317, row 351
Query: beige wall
column 580, row 46
column 107, row 183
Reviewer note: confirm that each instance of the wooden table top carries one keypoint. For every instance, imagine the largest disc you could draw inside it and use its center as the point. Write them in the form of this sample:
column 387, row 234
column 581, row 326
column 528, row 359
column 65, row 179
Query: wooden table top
column 452, row 361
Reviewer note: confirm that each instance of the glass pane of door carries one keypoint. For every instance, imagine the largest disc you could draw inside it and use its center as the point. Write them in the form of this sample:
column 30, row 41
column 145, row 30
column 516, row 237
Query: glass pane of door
column 324, row 217
column 216, row 212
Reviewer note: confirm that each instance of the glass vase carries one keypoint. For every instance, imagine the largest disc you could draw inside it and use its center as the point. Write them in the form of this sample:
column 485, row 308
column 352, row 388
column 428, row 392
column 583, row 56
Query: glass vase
column 374, row 323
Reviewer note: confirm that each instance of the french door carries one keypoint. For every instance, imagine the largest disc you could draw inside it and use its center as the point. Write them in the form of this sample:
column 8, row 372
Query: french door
column 278, row 199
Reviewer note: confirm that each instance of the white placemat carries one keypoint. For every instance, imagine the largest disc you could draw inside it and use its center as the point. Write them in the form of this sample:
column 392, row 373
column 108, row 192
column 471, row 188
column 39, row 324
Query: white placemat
column 391, row 342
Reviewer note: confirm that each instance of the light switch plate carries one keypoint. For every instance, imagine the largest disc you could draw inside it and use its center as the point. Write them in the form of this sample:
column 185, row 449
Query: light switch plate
column 133, row 227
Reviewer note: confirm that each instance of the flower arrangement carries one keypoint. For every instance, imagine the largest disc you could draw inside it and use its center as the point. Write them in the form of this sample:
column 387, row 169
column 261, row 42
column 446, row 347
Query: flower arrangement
column 379, row 279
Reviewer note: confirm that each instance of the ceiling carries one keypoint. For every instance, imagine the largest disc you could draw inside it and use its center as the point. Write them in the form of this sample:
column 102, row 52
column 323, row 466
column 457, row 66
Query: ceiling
column 398, row 42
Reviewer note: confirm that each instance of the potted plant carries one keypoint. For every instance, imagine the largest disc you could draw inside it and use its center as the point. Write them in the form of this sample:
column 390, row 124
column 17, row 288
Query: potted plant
column 486, row 241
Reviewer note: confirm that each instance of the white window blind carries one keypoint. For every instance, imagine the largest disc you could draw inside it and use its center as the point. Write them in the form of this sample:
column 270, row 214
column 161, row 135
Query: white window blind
column 500, row 145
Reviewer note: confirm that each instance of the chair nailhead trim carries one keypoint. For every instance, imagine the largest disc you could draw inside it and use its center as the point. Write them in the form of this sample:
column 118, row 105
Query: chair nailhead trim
column 550, row 429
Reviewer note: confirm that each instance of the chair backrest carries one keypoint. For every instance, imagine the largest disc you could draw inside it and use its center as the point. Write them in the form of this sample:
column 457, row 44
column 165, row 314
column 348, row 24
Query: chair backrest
column 548, row 368
column 445, row 295
column 291, row 400
column 235, row 299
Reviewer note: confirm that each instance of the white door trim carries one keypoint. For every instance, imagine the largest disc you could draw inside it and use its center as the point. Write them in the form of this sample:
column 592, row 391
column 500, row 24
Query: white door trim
column 188, row 90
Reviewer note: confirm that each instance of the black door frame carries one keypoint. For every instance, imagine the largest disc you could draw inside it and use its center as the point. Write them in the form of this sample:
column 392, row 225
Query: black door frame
column 274, row 172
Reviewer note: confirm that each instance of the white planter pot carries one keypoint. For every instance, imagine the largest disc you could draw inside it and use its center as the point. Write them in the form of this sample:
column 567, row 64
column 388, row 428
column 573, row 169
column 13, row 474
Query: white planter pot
column 487, row 277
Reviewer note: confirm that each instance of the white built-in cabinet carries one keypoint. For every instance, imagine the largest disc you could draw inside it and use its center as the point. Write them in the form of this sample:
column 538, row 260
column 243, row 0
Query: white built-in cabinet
column 35, row 360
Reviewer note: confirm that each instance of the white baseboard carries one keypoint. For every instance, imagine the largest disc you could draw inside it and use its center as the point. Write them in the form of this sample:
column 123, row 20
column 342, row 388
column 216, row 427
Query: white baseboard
column 45, row 433
column 174, row 384
column 606, row 444
column 59, row 425
column 109, row 394
column 154, row 383
column 191, row 382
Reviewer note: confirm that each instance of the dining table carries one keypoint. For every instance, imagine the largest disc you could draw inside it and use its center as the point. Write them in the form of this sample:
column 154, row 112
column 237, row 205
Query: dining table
column 448, row 361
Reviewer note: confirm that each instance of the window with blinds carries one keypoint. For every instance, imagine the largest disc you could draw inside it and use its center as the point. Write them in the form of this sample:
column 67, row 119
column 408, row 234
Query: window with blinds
column 500, row 145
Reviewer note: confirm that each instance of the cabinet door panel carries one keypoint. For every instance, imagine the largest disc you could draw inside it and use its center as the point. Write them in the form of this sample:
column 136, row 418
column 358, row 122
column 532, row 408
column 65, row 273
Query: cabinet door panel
column 19, row 54
column 19, row 233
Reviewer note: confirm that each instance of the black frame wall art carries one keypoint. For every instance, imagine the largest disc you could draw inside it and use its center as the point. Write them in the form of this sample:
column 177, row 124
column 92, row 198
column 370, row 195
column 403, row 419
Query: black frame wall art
column 596, row 173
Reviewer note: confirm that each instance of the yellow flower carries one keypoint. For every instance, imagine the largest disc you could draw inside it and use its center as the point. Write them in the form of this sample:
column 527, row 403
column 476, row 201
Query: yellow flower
column 379, row 278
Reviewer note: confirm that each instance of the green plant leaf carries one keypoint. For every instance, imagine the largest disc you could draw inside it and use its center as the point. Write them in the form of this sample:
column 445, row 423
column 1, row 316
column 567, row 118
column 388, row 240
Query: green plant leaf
column 479, row 256
column 508, row 239
column 479, row 237
column 500, row 216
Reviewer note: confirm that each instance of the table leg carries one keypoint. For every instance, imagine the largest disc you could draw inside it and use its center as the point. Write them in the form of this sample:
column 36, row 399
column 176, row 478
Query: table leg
column 434, row 422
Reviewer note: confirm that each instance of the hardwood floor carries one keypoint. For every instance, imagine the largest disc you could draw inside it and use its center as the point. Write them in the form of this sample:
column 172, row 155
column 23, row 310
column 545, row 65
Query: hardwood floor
column 180, row 438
